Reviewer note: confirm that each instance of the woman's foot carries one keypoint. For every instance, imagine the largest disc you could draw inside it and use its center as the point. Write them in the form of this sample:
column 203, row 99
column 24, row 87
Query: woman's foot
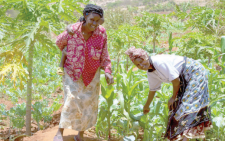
column 77, row 138
column 59, row 135
column 58, row 138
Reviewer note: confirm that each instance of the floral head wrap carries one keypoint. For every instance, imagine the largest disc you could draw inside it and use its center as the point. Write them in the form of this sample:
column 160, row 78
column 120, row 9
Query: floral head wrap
column 136, row 53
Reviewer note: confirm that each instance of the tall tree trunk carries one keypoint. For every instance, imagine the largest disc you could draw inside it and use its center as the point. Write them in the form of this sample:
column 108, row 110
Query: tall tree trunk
column 29, row 90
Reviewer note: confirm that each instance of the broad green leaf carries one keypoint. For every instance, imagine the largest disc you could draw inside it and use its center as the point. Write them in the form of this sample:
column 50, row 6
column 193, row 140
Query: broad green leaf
column 158, row 105
column 121, row 99
column 134, row 86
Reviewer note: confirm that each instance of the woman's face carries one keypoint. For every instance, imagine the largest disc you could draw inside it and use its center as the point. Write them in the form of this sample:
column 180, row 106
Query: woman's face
column 142, row 64
column 92, row 21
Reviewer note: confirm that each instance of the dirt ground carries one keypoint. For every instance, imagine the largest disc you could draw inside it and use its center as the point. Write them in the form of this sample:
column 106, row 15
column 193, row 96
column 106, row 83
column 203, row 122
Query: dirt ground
column 48, row 135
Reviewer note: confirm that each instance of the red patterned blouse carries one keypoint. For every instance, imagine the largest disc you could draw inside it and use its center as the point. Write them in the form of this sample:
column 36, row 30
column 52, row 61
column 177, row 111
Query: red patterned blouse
column 85, row 57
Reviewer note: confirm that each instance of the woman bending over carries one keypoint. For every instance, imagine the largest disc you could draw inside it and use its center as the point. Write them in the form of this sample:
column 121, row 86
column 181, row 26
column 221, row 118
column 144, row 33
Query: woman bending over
column 189, row 114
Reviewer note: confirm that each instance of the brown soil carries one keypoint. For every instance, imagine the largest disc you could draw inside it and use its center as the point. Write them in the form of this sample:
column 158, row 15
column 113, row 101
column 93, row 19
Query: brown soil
column 48, row 135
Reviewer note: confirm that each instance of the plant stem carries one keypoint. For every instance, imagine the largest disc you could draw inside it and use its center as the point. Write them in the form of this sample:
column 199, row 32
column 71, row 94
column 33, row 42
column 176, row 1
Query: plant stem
column 208, row 60
column 118, row 62
column 127, row 64
column 38, row 125
column 210, row 84
column 108, row 120
column 223, row 51
column 10, row 127
column 29, row 90
column 137, row 133
column 154, row 37
column 128, row 120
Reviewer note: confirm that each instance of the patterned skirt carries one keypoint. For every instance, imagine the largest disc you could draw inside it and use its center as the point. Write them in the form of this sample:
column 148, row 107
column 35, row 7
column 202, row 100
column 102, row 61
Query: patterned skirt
column 191, row 115
column 80, row 107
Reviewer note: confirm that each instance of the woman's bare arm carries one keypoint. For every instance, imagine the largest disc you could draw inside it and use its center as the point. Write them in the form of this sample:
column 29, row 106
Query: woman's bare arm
column 146, row 108
column 176, row 87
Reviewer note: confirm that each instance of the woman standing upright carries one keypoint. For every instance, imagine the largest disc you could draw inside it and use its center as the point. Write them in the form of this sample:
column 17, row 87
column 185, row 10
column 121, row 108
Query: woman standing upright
column 189, row 114
column 86, row 53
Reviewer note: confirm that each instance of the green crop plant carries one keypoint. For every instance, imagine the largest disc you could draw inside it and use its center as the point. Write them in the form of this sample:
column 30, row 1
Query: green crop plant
column 210, row 21
column 170, row 41
column 154, row 25
column 109, row 95
column 210, row 24
column 216, row 84
column 3, row 114
column 37, row 112
column 117, row 17
column 147, row 128
column 42, row 111
column 128, row 85
column 155, row 122
column 122, row 111
column 132, row 92
column 223, row 51
column 48, row 111
column 17, row 117
column 102, row 122
column 196, row 45
column 122, row 39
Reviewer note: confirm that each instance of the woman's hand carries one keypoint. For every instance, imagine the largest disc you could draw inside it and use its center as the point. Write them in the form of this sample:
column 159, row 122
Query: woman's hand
column 170, row 103
column 69, row 29
column 109, row 78
column 146, row 109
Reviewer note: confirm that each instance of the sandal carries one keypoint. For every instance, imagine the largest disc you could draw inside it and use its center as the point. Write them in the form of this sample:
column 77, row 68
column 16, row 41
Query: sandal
column 76, row 138
column 57, row 138
column 60, row 71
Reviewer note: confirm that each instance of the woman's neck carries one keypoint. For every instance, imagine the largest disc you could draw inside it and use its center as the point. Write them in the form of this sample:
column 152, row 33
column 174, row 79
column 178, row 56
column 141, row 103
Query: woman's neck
column 84, row 29
column 151, row 64
column 150, row 67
